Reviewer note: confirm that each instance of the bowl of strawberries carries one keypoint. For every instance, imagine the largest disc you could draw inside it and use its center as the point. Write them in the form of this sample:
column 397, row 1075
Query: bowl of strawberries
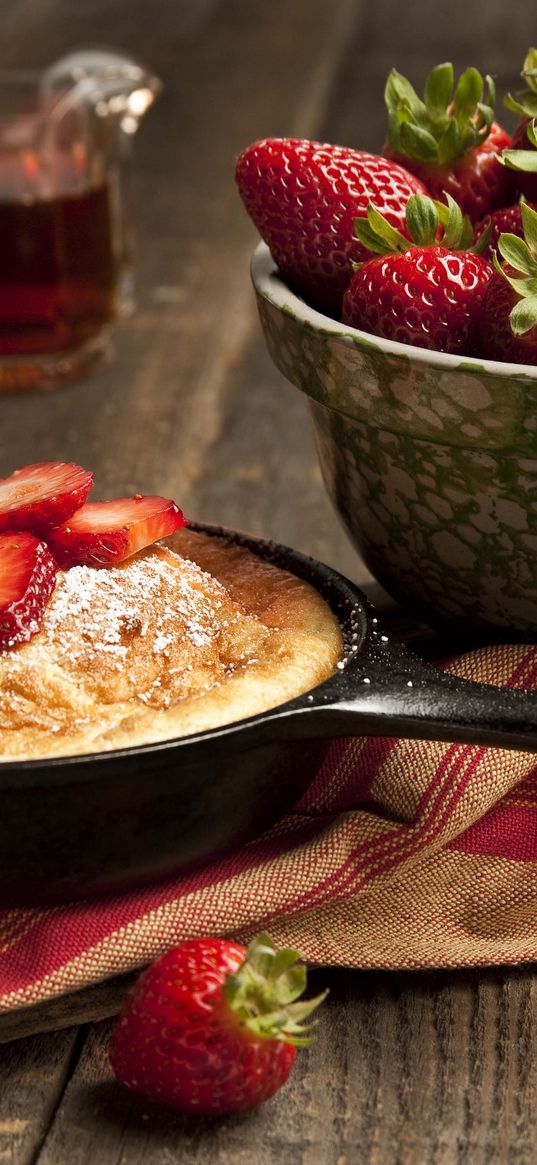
column 398, row 291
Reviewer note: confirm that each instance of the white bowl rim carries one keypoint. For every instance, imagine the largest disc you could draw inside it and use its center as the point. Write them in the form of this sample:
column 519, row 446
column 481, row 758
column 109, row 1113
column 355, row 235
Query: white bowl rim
column 270, row 284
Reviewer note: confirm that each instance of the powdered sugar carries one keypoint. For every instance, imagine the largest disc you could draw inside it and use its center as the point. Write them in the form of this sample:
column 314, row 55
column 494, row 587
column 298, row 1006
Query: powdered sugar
column 148, row 649
column 152, row 631
column 111, row 604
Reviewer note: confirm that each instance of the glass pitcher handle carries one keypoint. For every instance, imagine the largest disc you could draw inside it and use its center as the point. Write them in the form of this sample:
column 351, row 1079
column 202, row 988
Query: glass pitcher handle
column 110, row 92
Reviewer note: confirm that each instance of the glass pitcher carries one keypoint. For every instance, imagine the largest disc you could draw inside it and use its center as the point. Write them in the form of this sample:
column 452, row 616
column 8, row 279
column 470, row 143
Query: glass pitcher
column 66, row 266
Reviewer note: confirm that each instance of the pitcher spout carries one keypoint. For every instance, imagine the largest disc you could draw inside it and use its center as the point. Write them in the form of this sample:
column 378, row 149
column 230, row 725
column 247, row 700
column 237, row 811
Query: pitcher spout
column 115, row 85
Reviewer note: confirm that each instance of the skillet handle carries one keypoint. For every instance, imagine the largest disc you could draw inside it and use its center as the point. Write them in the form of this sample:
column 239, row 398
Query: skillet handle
column 387, row 691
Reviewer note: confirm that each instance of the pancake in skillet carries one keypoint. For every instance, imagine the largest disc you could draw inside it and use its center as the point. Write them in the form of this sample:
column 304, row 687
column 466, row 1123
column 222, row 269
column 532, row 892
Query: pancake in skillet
column 185, row 636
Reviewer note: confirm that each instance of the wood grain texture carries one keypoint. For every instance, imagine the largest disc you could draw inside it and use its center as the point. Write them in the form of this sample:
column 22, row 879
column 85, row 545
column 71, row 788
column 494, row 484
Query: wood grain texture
column 152, row 419
column 93, row 1003
column 431, row 1069
column 32, row 1079
column 423, row 1069
column 495, row 44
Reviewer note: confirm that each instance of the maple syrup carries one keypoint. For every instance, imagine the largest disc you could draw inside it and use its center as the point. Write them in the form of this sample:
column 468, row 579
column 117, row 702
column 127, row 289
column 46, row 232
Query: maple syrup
column 58, row 272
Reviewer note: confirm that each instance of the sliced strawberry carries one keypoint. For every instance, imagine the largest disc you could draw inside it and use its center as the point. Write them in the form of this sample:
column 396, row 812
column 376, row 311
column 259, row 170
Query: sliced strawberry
column 104, row 532
column 27, row 579
column 42, row 495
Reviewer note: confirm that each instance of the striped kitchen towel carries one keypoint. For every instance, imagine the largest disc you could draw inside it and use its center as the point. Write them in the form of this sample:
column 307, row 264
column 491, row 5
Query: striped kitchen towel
column 402, row 854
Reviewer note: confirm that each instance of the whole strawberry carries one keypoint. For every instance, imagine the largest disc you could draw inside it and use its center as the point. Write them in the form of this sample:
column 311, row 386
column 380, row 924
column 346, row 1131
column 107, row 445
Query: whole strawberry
column 213, row 1028
column 449, row 138
column 522, row 158
column 425, row 293
column 509, row 312
column 303, row 198
column 507, row 219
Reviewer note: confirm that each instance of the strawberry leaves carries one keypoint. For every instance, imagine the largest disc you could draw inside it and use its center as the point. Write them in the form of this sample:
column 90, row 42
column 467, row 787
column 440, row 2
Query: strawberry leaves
column 422, row 221
column 377, row 235
column 525, row 102
column 524, row 315
column 520, row 257
column 427, row 221
column 265, row 993
column 438, row 90
column 212, row 1028
column 449, row 120
column 523, row 160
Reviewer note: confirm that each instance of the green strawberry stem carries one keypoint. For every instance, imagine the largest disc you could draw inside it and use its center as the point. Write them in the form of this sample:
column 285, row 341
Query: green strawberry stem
column 428, row 223
column 264, row 993
column 520, row 255
column 523, row 159
column 525, row 102
column 448, row 121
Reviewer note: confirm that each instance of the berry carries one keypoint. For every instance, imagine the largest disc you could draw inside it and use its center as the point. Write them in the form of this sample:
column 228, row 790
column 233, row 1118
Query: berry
column 449, row 139
column 27, row 580
column 505, row 219
column 508, row 323
column 108, row 532
column 427, row 294
column 211, row 1027
column 42, row 495
column 303, row 198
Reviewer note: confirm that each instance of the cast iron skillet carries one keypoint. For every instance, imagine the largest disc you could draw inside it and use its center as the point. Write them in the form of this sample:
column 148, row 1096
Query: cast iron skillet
column 78, row 826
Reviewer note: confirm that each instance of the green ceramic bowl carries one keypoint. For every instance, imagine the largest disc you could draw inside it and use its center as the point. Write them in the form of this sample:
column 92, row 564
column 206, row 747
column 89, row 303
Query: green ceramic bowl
column 430, row 460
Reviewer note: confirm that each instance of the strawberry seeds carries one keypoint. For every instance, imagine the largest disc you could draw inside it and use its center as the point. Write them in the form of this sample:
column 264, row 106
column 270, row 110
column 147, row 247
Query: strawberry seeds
column 27, row 579
column 312, row 203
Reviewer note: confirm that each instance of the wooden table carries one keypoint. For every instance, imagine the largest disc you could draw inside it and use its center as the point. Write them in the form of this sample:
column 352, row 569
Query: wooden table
column 407, row 1068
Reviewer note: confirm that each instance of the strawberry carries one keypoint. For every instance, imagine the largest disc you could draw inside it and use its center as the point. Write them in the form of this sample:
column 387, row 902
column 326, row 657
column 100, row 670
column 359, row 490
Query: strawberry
column 449, row 139
column 522, row 159
column 428, row 294
column 27, row 580
column 213, row 1028
column 42, row 495
column 102, row 532
column 303, row 197
column 509, row 312
column 498, row 222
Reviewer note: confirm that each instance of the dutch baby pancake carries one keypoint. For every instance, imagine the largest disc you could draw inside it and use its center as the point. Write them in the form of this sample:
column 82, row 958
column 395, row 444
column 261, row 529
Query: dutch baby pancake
column 177, row 636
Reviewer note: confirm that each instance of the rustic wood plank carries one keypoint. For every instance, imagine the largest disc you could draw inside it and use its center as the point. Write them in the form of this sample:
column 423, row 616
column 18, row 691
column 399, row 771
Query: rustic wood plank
column 32, row 1077
column 256, row 71
column 58, row 25
column 92, row 1004
column 494, row 44
column 265, row 480
column 405, row 1069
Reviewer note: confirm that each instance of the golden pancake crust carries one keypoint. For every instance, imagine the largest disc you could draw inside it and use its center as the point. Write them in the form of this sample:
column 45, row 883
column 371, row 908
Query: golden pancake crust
column 185, row 636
